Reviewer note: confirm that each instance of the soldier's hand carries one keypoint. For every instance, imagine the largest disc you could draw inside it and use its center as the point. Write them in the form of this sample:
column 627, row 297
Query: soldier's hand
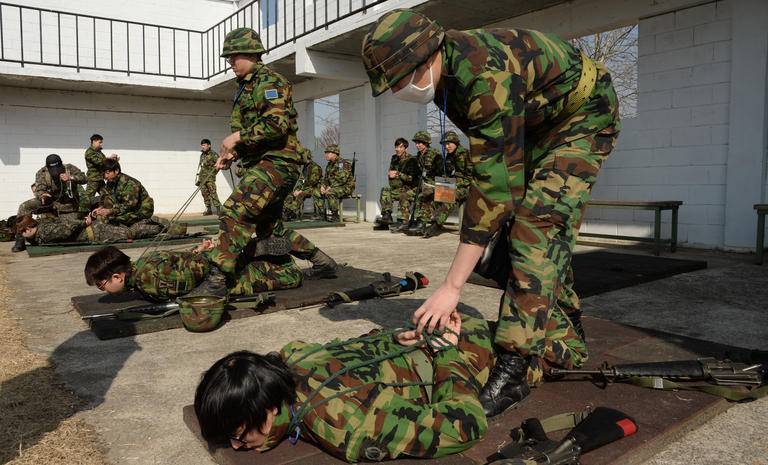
column 435, row 312
column 225, row 160
column 408, row 337
column 64, row 177
column 393, row 174
column 88, row 220
column 296, row 193
column 228, row 144
column 115, row 156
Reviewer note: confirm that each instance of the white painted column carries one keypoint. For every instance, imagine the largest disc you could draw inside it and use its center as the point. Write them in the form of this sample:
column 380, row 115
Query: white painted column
column 306, row 120
column 748, row 121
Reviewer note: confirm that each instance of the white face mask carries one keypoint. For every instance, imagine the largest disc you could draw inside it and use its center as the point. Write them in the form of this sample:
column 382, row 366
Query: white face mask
column 416, row 94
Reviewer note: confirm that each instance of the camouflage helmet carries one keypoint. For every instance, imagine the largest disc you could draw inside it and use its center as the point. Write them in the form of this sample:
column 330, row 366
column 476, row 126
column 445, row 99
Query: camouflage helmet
column 423, row 137
column 451, row 136
column 201, row 313
column 242, row 40
column 332, row 149
column 398, row 43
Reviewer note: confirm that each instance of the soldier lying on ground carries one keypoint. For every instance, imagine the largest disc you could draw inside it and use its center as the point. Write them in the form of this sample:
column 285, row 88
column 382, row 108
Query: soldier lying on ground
column 70, row 229
column 380, row 410
column 164, row 275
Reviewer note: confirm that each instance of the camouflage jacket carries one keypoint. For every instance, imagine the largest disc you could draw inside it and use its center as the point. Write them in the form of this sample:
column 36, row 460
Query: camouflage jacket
column 368, row 415
column 264, row 115
column 463, row 167
column 338, row 175
column 164, row 275
column 94, row 163
column 408, row 172
column 44, row 183
column 206, row 169
column 310, row 178
column 128, row 199
column 431, row 164
column 502, row 84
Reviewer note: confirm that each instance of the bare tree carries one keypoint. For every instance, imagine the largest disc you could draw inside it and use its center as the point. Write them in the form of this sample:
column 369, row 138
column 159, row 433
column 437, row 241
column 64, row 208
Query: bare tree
column 330, row 135
column 617, row 49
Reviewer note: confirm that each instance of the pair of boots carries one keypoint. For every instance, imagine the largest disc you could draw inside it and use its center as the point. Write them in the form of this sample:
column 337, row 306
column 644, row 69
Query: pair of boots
column 420, row 228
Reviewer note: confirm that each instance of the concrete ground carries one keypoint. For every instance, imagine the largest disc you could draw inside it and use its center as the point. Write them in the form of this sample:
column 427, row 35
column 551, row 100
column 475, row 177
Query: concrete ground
column 136, row 387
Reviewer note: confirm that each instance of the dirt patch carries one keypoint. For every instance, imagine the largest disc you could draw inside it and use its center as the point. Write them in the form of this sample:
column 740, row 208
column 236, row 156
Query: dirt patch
column 36, row 424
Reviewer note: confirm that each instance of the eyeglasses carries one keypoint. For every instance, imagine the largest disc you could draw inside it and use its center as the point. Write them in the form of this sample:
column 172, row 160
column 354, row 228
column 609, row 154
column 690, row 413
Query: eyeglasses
column 100, row 286
column 238, row 440
column 231, row 59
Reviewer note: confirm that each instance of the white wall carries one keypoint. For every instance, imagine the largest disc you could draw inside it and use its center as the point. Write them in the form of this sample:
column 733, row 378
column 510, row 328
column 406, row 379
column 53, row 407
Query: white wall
column 677, row 146
column 156, row 138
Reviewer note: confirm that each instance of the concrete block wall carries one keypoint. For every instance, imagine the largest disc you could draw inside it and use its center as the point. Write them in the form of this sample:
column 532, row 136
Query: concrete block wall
column 156, row 138
column 677, row 146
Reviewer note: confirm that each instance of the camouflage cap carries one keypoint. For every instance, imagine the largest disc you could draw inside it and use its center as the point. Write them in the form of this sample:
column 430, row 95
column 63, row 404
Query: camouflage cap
column 451, row 136
column 422, row 136
column 242, row 40
column 398, row 43
column 332, row 149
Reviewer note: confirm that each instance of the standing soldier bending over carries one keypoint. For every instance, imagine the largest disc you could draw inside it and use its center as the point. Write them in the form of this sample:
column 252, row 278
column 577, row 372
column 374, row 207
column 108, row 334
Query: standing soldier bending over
column 206, row 178
column 458, row 157
column 57, row 190
column 541, row 118
column 265, row 143
column 338, row 183
column 309, row 180
column 403, row 176
column 94, row 163
column 123, row 199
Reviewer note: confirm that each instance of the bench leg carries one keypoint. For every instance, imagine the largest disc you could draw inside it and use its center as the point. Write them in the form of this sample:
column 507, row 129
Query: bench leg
column 357, row 209
column 760, row 246
column 657, row 232
column 673, row 241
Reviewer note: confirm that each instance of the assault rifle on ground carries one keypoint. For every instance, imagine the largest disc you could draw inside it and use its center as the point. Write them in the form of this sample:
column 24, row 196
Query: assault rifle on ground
column 379, row 289
column 531, row 445
column 152, row 311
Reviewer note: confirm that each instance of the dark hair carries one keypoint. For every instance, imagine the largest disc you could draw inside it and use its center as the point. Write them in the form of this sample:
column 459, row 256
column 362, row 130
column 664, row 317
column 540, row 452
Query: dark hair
column 110, row 164
column 104, row 263
column 205, row 141
column 240, row 389
column 23, row 222
column 401, row 141
column 96, row 137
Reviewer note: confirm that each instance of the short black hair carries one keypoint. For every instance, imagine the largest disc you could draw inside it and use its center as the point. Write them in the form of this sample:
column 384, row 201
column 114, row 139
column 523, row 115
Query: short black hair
column 96, row 137
column 240, row 389
column 205, row 141
column 401, row 141
column 104, row 263
column 110, row 164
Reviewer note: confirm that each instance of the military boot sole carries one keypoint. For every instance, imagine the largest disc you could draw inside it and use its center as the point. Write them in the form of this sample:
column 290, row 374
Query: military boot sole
column 274, row 246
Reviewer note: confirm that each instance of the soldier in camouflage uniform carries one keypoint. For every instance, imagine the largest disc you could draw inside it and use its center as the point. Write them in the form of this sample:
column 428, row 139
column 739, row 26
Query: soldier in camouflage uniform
column 403, row 176
column 361, row 409
column 162, row 276
column 431, row 165
column 541, row 118
column 337, row 184
column 264, row 142
column 94, row 162
column 458, row 158
column 124, row 200
column 206, row 178
column 70, row 229
column 309, row 180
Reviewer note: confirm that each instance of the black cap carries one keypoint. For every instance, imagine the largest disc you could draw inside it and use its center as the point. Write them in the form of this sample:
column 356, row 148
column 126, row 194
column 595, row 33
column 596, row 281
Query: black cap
column 54, row 164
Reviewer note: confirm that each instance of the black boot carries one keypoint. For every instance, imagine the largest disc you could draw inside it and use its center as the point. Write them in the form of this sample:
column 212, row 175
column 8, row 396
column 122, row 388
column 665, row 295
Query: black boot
column 215, row 284
column 207, row 211
column 275, row 246
column 416, row 230
column 386, row 217
column 382, row 222
column 323, row 266
column 433, row 230
column 334, row 218
column 402, row 228
column 506, row 385
column 20, row 244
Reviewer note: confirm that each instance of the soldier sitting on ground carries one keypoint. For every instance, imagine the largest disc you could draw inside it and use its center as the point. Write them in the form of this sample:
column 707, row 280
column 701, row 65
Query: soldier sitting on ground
column 403, row 176
column 57, row 190
column 69, row 229
column 206, row 178
column 344, row 398
column 162, row 276
column 123, row 199
column 338, row 183
column 309, row 181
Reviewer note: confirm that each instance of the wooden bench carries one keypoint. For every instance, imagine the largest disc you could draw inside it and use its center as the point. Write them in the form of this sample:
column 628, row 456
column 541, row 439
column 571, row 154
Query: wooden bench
column 762, row 210
column 657, row 207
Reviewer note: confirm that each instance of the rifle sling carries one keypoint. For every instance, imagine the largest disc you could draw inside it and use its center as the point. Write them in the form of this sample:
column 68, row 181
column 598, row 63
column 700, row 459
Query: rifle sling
column 732, row 393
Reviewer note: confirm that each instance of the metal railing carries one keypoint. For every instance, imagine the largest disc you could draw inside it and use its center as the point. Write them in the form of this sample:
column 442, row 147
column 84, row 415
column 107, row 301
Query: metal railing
column 39, row 36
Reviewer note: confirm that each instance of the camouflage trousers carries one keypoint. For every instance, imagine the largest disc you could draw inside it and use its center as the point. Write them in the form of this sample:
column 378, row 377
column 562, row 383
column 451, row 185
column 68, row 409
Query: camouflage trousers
column 267, row 275
column 105, row 232
column 539, row 296
column 293, row 207
column 91, row 189
column 441, row 210
column 255, row 208
column 210, row 198
column 35, row 206
column 332, row 198
column 404, row 198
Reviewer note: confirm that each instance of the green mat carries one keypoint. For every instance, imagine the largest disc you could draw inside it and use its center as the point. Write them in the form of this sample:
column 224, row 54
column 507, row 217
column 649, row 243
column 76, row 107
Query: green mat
column 59, row 249
column 306, row 224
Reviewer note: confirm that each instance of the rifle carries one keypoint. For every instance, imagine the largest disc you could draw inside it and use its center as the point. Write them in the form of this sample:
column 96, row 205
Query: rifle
column 590, row 431
column 152, row 311
column 384, row 288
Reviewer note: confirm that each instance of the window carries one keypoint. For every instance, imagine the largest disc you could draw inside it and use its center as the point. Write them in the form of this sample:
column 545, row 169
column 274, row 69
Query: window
column 268, row 12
